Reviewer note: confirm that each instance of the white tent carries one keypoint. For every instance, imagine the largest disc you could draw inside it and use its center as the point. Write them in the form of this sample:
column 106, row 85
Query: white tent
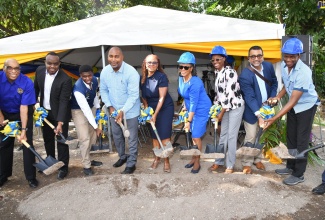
column 142, row 30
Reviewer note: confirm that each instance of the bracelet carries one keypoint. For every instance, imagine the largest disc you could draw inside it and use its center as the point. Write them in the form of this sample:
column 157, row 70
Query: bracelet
column 24, row 129
column 189, row 121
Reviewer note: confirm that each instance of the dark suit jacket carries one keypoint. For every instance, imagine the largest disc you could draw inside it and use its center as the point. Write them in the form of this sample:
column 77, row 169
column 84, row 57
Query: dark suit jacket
column 251, row 90
column 60, row 93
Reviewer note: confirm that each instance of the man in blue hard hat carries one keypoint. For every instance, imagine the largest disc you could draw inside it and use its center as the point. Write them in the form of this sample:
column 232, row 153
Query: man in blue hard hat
column 300, row 109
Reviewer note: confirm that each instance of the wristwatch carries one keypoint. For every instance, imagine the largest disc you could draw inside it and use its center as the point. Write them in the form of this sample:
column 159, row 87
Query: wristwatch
column 24, row 129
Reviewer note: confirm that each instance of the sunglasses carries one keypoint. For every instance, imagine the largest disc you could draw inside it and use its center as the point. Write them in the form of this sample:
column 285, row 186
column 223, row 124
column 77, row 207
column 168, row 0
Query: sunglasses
column 216, row 60
column 152, row 63
column 184, row 67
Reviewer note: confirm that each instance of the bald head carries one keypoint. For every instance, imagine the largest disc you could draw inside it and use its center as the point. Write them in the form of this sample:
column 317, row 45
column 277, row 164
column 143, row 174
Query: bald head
column 115, row 58
column 12, row 69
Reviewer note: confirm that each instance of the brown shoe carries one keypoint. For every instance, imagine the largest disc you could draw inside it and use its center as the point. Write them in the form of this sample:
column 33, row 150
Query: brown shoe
column 229, row 170
column 214, row 167
column 259, row 166
column 247, row 170
column 167, row 165
column 155, row 163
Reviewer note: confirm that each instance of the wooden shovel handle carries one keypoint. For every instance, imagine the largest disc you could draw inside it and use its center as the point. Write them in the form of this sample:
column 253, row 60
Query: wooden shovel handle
column 49, row 123
column 216, row 121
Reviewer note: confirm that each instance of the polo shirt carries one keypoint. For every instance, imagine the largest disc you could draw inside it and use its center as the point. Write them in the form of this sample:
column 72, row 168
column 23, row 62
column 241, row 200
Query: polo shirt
column 19, row 92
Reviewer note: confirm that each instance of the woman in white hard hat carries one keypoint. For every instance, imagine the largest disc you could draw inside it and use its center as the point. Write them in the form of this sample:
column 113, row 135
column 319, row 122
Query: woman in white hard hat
column 228, row 95
column 197, row 103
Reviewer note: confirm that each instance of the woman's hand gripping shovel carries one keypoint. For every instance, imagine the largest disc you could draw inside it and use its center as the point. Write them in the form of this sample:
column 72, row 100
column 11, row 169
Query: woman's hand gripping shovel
column 163, row 151
column 40, row 115
column 47, row 166
column 249, row 149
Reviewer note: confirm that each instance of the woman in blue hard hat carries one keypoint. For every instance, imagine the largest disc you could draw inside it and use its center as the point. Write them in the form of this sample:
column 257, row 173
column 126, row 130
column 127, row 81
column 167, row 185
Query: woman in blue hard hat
column 197, row 103
column 300, row 109
column 228, row 95
column 154, row 90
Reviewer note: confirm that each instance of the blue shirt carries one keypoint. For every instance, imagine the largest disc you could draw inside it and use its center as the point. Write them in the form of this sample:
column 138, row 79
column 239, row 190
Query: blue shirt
column 300, row 79
column 195, row 96
column 19, row 92
column 121, row 89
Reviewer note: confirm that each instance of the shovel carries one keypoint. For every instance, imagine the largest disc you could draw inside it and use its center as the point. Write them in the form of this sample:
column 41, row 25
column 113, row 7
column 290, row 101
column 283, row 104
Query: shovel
column 47, row 166
column 100, row 147
column 252, row 150
column 214, row 150
column 189, row 150
column 63, row 140
column 163, row 152
column 303, row 154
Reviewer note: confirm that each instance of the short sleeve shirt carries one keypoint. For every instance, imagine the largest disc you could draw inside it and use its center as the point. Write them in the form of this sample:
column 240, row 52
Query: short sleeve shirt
column 19, row 92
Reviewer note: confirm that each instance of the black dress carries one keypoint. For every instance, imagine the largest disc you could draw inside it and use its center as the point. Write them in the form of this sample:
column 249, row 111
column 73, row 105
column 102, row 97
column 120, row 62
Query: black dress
column 150, row 91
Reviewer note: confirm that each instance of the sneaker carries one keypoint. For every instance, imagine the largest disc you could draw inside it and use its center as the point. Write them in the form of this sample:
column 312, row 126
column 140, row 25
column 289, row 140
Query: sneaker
column 88, row 171
column 293, row 180
column 284, row 171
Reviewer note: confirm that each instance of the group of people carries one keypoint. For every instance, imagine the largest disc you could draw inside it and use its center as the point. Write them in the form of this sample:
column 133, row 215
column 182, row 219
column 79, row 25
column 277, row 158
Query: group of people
column 121, row 88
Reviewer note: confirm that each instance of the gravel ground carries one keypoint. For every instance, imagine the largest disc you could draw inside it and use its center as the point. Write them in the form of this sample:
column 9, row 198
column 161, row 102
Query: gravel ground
column 153, row 194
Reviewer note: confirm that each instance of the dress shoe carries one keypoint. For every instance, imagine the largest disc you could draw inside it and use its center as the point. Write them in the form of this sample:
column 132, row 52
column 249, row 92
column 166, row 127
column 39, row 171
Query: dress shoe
column 33, row 183
column 88, row 171
column 259, row 166
column 3, row 180
column 119, row 163
column 214, row 167
column 196, row 171
column 319, row 190
column 189, row 165
column 155, row 163
column 96, row 163
column 128, row 170
column 167, row 165
column 62, row 174
column 247, row 170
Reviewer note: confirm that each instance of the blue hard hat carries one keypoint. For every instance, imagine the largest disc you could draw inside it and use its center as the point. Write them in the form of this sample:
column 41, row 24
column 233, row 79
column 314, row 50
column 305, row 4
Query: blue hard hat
column 292, row 46
column 187, row 57
column 230, row 59
column 218, row 50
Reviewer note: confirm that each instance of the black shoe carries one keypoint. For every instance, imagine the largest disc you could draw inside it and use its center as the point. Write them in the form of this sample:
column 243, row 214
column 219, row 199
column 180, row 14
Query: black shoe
column 189, row 165
column 2, row 181
column 128, row 170
column 96, row 163
column 319, row 190
column 196, row 171
column 88, row 171
column 33, row 183
column 62, row 174
column 119, row 163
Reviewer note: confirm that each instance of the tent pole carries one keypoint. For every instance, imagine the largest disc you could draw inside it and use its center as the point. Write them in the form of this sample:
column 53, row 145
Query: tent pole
column 103, row 56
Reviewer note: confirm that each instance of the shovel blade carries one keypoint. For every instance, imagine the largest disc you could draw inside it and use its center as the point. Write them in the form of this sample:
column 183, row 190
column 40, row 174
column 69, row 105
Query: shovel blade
column 41, row 165
column 50, row 161
column 157, row 151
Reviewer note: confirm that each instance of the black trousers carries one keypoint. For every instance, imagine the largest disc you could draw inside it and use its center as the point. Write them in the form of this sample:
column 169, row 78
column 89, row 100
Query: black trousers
column 7, row 148
column 49, row 141
column 298, row 136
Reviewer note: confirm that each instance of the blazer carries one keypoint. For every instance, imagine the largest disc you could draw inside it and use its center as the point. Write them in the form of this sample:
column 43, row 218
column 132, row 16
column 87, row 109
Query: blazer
column 60, row 93
column 251, row 90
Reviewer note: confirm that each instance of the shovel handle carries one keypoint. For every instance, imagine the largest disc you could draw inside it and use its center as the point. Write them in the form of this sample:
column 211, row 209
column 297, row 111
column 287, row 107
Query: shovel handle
column 5, row 121
column 49, row 123
column 30, row 148
column 216, row 121
column 155, row 130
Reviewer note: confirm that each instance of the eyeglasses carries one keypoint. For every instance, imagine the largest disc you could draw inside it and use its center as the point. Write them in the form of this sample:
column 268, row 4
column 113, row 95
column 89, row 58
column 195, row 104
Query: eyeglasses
column 184, row 67
column 10, row 68
column 216, row 60
column 259, row 56
column 152, row 63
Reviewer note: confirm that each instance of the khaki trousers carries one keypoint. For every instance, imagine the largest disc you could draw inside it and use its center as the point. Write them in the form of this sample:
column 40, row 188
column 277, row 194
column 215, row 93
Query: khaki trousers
column 251, row 132
column 86, row 135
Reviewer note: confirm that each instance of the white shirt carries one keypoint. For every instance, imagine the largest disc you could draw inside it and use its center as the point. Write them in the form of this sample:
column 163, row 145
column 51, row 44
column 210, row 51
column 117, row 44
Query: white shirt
column 47, row 89
column 261, row 83
column 85, row 108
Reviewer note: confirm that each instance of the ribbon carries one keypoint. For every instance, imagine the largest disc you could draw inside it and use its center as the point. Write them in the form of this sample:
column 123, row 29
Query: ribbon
column 145, row 115
column 267, row 112
column 215, row 111
column 39, row 115
column 182, row 117
column 101, row 118
column 11, row 129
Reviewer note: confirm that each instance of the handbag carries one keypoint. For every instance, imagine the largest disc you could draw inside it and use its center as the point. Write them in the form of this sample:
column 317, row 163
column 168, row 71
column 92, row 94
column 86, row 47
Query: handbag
column 259, row 75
